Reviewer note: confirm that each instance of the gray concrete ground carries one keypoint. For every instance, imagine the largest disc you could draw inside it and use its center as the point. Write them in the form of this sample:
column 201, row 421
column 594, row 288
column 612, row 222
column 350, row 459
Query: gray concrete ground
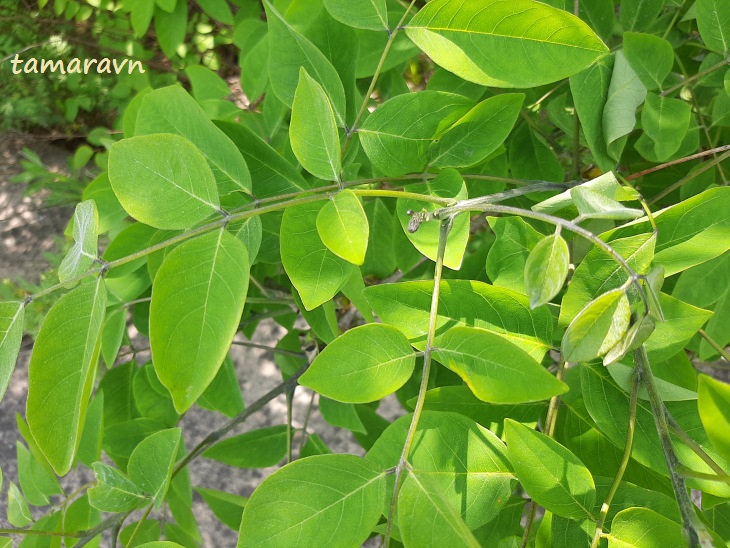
column 26, row 230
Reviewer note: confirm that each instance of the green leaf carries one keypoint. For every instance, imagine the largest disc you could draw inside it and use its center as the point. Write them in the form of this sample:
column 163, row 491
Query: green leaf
column 599, row 272
column 462, row 461
column 223, row 393
column 343, row 227
column 115, row 326
column 546, row 269
column 704, row 284
column 644, row 528
column 551, row 475
column 342, row 415
column 718, row 328
column 172, row 110
column 495, row 369
column 171, row 27
column 343, row 494
column 639, row 15
column 714, row 407
column 625, row 94
column 163, row 181
column 316, row 272
column 161, row 543
column 83, row 253
column 18, row 512
column 690, row 232
column 508, row 254
column 217, row 9
column 668, row 391
column 293, row 52
column 91, row 436
column 448, row 184
column 397, row 136
column 650, row 56
column 425, row 518
column 361, row 14
column 665, row 121
column 590, row 89
column 682, row 321
column 11, row 335
column 114, row 492
column 141, row 16
column 478, row 133
column 598, row 327
column 595, row 205
column 206, row 84
column 272, row 174
column 256, row 449
column 62, row 370
column 635, row 336
column 365, row 364
column 407, row 305
column 313, row 130
column 501, row 44
column 227, row 507
column 713, row 21
column 531, row 158
column 197, row 301
column 37, row 483
column 151, row 398
column 150, row 465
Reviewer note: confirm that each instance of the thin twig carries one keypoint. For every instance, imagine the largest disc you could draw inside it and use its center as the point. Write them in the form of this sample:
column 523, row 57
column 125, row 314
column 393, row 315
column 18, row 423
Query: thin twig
column 713, row 343
column 704, row 167
column 702, row 154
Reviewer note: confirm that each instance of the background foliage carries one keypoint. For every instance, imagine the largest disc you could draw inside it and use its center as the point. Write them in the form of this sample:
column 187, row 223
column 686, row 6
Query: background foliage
column 512, row 215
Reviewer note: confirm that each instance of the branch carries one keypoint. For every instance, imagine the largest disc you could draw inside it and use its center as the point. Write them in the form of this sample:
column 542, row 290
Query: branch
column 702, row 154
column 433, row 315
column 686, row 81
column 704, row 167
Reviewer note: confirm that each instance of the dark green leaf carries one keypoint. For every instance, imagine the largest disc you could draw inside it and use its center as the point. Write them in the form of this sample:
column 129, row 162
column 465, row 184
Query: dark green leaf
column 361, row 14
column 223, row 393
column 227, row 507
column 665, row 121
column 508, row 254
column 713, row 21
column 650, row 56
column 256, row 449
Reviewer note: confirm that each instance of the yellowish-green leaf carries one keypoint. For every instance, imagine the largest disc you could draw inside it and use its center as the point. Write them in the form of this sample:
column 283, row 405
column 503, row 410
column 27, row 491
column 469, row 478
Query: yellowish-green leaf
column 150, row 465
column 361, row 14
column 343, row 227
column 546, row 269
column 714, row 407
column 11, row 335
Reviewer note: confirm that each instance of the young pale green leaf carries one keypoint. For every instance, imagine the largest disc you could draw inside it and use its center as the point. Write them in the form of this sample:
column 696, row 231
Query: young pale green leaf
column 62, row 370
column 197, row 301
column 172, row 110
column 11, row 335
column 18, row 512
column 344, row 500
column 365, row 364
column 342, row 415
column 397, row 136
column 496, row 370
column 463, row 461
column 343, row 227
column 599, row 272
column 713, row 21
column 605, row 184
column 635, row 336
column 625, row 94
column 272, row 174
column 689, row 233
column 425, row 518
column 361, row 14
column 596, row 205
column 598, row 327
column 150, row 465
column 714, row 406
column 227, row 507
column 508, row 254
column 463, row 302
column 83, row 253
column 505, row 44
column 223, row 393
column 163, row 181
column 546, row 269
column 256, row 449
column 590, row 93
column 425, row 236
column 478, row 133
column 665, row 121
column 114, row 492
column 644, row 528
column 291, row 52
column 250, row 231
column 550, row 474
column 650, row 56
column 316, row 272
column 313, row 130
column 637, row 16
